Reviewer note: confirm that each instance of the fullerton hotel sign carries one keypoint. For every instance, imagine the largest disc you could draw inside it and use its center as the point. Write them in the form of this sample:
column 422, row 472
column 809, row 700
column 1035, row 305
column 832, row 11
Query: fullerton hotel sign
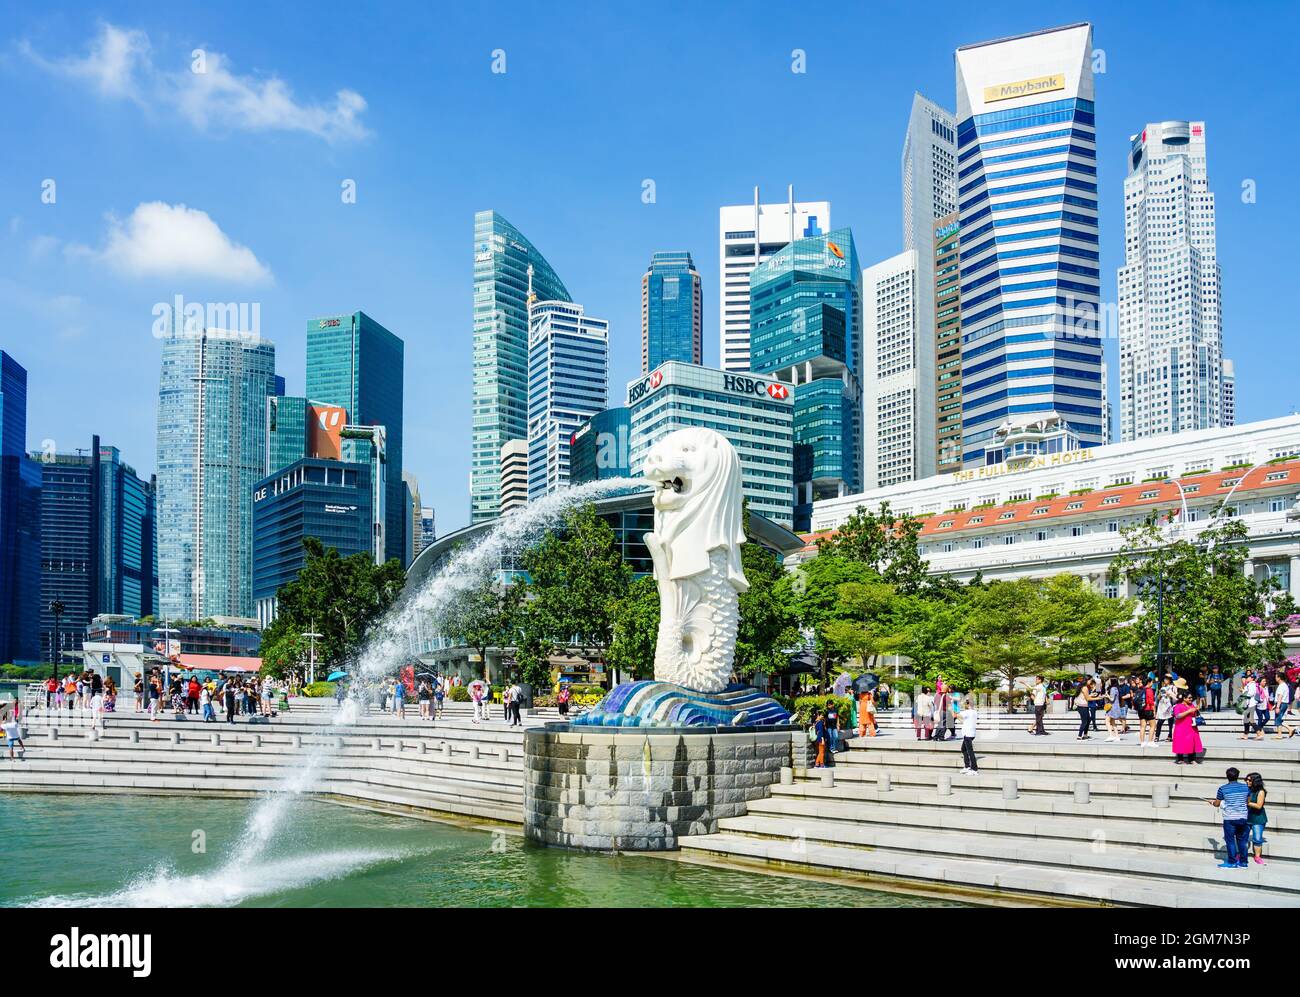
column 1034, row 463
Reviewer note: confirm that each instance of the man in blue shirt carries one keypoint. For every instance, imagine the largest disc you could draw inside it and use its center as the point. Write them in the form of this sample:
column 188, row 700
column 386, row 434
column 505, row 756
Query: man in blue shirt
column 1231, row 800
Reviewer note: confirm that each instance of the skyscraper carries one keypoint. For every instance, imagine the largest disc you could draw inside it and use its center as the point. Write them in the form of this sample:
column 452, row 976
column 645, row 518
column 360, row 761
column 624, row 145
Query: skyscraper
column 568, row 383
column 672, row 311
column 502, row 256
column 1229, row 406
column 898, row 377
column 748, row 234
column 1027, row 203
column 211, row 451
column 98, row 542
column 1170, row 323
column 947, row 344
column 806, row 308
column 354, row 362
column 20, row 522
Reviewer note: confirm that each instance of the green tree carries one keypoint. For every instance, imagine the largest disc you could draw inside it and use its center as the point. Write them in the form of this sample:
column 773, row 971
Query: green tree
column 767, row 620
column 636, row 628
column 484, row 617
column 812, row 593
column 577, row 578
column 933, row 639
column 884, row 542
column 1083, row 626
column 1002, row 630
column 870, row 625
column 337, row 597
column 1210, row 607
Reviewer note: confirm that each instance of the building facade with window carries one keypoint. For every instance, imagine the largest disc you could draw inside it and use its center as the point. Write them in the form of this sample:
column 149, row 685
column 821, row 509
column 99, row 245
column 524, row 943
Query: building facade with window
column 748, row 234
column 1171, row 362
column 502, row 284
column 1027, row 205
column 672, row 311
column 806, row 309
column 568, row 383
column 756, row 414
column 1043, row 514
column 211, row 450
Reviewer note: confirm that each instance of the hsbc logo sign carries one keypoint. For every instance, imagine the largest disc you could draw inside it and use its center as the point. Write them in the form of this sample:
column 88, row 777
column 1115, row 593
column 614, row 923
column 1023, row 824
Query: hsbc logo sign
column 736, row 384
column 741, row 385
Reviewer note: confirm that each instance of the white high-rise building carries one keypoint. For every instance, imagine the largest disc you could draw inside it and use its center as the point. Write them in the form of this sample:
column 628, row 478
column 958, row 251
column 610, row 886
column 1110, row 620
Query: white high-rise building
column 898, row 374
column 568, row 383
column 1229, row 403
column 929, row 194
column 748, row 234
column 929, row 172
column 1170, row 319
column 1027, row 203
column 513, row 479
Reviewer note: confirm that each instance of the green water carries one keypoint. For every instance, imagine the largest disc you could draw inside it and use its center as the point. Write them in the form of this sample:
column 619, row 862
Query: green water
column 139, row 851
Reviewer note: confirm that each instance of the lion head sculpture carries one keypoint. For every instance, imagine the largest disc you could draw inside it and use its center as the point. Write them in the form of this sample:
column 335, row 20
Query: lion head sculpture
column 698, row 501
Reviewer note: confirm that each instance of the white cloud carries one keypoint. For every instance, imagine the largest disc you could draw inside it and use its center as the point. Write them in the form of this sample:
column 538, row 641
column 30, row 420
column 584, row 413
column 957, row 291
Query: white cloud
column 113, row 66
column 172, row 240
column 120, row 64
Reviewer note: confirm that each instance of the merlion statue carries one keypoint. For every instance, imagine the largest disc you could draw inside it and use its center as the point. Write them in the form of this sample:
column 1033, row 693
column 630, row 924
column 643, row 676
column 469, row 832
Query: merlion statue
column 695, row 547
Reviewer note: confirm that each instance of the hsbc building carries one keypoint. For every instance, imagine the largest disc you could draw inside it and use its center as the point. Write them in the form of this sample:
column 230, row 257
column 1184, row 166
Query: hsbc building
column 754, row 412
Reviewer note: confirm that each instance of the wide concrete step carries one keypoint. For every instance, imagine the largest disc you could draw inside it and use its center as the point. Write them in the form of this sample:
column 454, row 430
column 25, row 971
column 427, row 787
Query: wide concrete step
column 1203, row 837
column 1281, row 774
column 1001, row 877
column 973, row 798
column 1034, row 781
column 1085, row 854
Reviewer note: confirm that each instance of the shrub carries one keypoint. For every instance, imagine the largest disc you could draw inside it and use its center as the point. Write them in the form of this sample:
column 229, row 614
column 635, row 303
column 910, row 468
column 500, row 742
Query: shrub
column 25, row 671
column 806, row 706
column 459, row 694
column 318, row 690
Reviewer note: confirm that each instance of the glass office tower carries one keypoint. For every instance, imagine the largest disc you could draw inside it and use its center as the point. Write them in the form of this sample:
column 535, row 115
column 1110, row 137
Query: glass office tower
column 1027, row 210
column 601, row 446
column 672, row 311
column 354, row 362
column 20, row 523
column 502, row 256
column 98, row 542
column 211, row 450
column 805, row 307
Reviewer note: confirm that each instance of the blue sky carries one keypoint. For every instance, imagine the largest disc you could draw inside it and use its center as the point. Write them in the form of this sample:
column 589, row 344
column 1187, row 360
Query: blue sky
column 596, row 98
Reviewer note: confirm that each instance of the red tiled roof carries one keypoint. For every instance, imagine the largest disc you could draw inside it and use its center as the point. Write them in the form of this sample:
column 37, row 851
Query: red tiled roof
column 1130, row 497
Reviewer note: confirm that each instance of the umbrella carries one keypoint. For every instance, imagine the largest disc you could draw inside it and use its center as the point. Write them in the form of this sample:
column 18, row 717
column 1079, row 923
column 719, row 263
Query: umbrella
column 867, row 682
column 425, row 675
column 335, row 676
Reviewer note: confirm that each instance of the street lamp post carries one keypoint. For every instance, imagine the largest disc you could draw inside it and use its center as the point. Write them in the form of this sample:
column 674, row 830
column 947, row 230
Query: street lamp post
column 311, row 635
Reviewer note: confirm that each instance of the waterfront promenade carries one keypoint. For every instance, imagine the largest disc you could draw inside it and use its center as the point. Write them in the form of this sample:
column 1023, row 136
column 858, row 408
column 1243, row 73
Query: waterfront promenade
column 1047, row 819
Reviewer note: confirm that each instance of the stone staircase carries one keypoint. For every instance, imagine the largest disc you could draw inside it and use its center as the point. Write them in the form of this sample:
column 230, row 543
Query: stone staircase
column 449, row 767
column 1084, row 823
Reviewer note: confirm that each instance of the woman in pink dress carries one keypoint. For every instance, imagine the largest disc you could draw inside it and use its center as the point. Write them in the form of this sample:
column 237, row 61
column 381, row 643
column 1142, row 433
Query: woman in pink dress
column 1187, row 739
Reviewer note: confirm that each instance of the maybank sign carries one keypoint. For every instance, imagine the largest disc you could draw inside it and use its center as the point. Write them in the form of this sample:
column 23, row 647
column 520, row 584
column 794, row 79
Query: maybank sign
column 1024, row 88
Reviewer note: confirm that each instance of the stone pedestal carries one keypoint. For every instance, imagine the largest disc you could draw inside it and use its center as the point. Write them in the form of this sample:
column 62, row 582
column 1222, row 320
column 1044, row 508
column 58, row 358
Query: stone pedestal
column 642, row 789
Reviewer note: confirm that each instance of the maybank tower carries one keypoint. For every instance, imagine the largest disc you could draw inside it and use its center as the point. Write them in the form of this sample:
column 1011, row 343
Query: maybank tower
column 1027, row 204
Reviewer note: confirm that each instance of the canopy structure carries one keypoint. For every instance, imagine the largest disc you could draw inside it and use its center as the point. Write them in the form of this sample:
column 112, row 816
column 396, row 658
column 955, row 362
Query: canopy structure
column 220, row 663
